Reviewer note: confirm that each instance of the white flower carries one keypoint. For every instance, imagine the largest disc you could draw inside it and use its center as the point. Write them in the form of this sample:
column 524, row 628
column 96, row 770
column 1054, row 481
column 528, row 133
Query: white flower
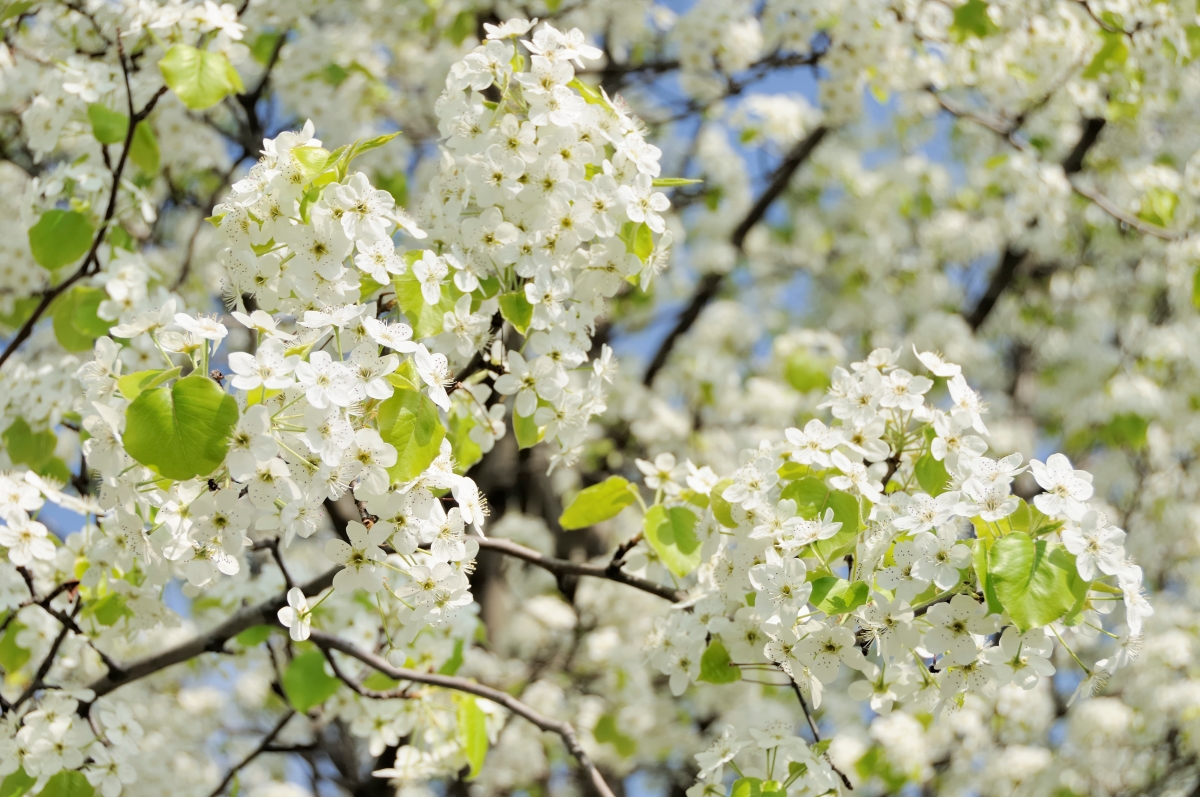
column 1095, row 544
column 359, row 557
column 325, row 382
column 202, row 326
column 434, row 370
column 662, row 473
column 643, row 204
column 1066, row 488
column 296, row 616
column 26, row 540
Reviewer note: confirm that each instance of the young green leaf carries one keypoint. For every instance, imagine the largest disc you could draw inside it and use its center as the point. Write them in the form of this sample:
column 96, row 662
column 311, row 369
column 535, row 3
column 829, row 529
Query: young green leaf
column 306, row 683
column 199, row 78
column 812, row 498
column 715, row 665
column 606, row 732
column 597, row 503
column 67, row 783
column 27, row 447
column 60, row 237
column 426, row 319
column 108, row 126
column 672, row 535
column 133, row 385
column 834, row 595
column 528, row 433
column 516, row 310
column 466, row 451
column 673, row 182
column 143, row 150
column 409, row 421
column 17, row 783
column 931, row 475
column 182, row 431
column 472, row 732
column 1035, row 581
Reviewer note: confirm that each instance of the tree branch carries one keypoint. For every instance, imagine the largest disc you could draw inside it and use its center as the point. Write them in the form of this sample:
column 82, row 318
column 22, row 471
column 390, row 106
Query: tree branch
column 711, row 282
column 564, row 729
column 210, row 642
column 567, row 568
column 812, row 726
column 262, row 748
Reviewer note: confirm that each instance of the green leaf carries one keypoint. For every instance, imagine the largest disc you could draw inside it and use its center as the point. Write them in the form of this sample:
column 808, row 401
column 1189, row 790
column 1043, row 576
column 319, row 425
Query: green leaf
column 472, row 732
column 12, row 655
column 409, row 421
column 812, row 498
column 133, row 385
column 1035, row 581
column 69, row 336
column 313, row 159
column 143, row 150
column 16, row 8
column 931, row 475
column 722, row 509
column 672, row 535
column 264, row 46
column 426, row 319
column 673, row 182
column 1111, row 56
column 85, row 317
column 374, row 143
column 108, row 126
column 589, row 94
column 67, row 783
column 715, row 665
column 306, row 683
column 606, row 732
column 27, row 447
column 971, row 19
column 516, row 310
column 746, row 787
column 834, row 595
column 1158, row 206
column 379, row 682
column 451, row 665
column 395, row 183
column 638, row 238
column 528, row 433
column 60, row 237
column 109, row 609
column 181, row 432
column 1126, row 430
column 254, row 635
column 980, row 559
column 17, row 783
column 462, row 27
column 806, row 372
column 597, row 503
column 199, row 78
column 466, row 451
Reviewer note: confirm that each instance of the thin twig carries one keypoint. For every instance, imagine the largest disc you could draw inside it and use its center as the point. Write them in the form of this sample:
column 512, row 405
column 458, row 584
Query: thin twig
column 812, row 726
column 262, row 748
column 564, row 729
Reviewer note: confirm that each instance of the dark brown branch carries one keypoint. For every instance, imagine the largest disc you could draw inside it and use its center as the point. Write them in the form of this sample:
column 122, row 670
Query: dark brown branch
column 1013, row 256
column 567, row 568
column 812, row 726
column 711, row 282
column 262, row 748
column 564, row 729
column 212, row 641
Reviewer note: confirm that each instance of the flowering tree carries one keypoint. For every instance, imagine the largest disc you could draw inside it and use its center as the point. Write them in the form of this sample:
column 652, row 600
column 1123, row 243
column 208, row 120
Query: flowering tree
column 321, row 475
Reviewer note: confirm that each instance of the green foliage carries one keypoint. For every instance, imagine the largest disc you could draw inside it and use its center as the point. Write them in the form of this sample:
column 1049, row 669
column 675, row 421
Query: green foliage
column 528, row 433
column 306, row 683
column 143, row 150
column 722, row 509
column 638, row 238
column 971, row 20
column 17, row 783
column 254, row 635
column 672, row 535
column 108, row 126
column 812, row 498
column 60, row 237
column 472, row 732
column 1158, row 206
column 12, row 655
column 834, row 595
column 598, row 503
column 182, row 431
column 979, row 558
column 108, row 610
column 606, row 732
column 462, row 27
column 516, row 310
column 931, row 475
column 715, row 665
column 134, row 384
column 67, row 783
column 27, row 447
column 451, row 665
column 199, row 78
column 409, row 421
column 466, row 451
column 1110, row 57
column 805, row 372
column 1126, row 430
column 1035, row 581
column 264, row 46
column 673, row 182
column 425, row 319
